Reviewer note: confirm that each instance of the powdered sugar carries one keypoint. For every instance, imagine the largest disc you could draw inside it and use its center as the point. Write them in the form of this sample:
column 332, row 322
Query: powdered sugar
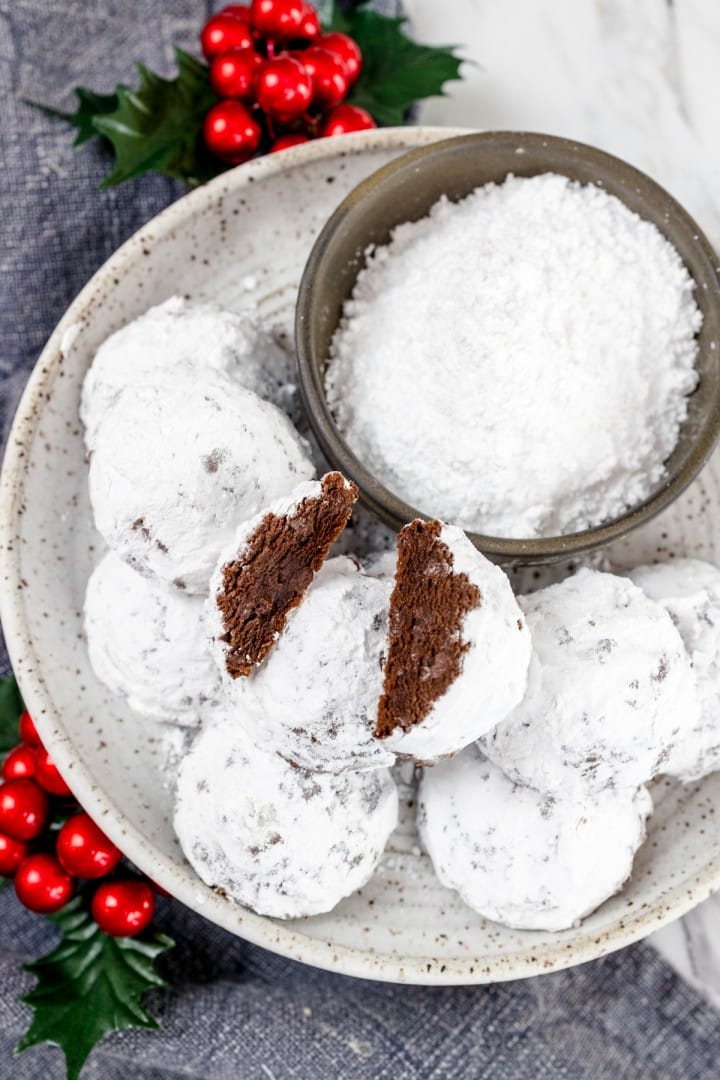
column 518, row 363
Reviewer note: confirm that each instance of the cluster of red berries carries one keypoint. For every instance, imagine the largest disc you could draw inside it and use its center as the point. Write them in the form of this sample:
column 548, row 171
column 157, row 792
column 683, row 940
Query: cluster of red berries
column 281, row 79
column 46, row 861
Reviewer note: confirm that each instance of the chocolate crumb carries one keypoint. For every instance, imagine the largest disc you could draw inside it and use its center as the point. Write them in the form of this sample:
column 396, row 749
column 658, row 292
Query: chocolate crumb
column 427, row 608
column 139, row 526
column 274, row 570
column 662, row 670
column 211, row 462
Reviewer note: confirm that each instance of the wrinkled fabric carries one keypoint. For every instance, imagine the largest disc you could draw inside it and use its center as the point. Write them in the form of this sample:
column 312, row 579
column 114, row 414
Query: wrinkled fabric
column 233, row 1010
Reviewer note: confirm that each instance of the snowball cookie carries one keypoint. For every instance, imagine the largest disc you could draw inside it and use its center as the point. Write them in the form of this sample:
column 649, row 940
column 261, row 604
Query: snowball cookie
column 458, row 645
column 314, row 700
column 149, row 643
column 281, row 840
column 177, row 467
column 179, row 333
column 521, row 858
column 268, row 567
column 689, row 590
column 610, row 686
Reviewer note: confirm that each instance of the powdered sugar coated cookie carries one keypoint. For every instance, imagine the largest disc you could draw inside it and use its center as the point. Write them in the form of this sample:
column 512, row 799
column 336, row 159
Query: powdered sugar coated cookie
column 689, row 590
column 177, row 466
column 281, row 840
column 149, row 643
column 198, row 336
column 520, row 858
column 609, row 689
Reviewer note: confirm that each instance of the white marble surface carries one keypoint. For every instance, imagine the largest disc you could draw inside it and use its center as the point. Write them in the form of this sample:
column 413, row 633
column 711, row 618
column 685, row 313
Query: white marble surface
column 641, row 79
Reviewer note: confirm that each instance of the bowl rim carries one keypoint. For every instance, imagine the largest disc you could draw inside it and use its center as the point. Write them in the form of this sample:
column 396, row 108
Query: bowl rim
column 389, row 507
column 284, row 939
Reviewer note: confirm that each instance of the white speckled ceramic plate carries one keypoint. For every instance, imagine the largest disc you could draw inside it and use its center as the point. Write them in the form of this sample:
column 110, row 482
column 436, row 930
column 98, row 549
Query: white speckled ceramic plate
column 245, row 237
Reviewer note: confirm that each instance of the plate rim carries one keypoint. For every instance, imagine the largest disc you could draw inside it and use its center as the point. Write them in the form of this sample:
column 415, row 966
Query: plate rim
column 281, row 938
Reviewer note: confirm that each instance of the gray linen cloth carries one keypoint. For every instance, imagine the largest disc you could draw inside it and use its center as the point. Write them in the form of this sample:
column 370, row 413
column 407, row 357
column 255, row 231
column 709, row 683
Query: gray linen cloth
column 233, row 1010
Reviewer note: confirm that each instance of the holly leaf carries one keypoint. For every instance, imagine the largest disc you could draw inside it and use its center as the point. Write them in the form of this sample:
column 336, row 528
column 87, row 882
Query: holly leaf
column 11, row 706
column 396, row 71
column 89, row 985
column 159, row 125
column 89, row 106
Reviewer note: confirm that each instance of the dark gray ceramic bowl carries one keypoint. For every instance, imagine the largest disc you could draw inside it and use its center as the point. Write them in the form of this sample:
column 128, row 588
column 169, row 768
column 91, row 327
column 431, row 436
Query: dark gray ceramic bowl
column 405, row 190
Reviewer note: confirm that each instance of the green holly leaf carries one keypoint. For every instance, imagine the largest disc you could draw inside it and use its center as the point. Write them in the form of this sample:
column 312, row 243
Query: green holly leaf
column 89, row 106
column 89, row 985
column 396, row 71
column 11, row 705
column 158, row 126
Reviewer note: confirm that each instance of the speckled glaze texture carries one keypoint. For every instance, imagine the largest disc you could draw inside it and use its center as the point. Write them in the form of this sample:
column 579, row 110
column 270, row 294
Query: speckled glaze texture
column 403, row 926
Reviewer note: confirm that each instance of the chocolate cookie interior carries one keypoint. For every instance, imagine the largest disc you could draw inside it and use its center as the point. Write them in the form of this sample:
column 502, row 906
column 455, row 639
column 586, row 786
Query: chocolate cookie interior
column 274, row 569
column 427, row 608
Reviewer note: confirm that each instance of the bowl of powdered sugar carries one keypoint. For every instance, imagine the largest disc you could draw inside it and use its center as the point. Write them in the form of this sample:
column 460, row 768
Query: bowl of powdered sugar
column 515, row 333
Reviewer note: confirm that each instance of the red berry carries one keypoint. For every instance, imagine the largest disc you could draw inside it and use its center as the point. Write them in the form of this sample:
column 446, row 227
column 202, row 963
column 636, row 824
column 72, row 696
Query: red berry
column 328, row 75
column 283, row 88
column 347, row 49
column 23, row 809
column 12, row 853
column 19, row 762
column 231, row 132
column 42, row 885
column 310, row 25
column 48, row 777
column 28, row 732
column 231, row 74
column 224, row 32
column 240, row 11
column 278, row 18
column 346, row 118
column 84, row 849
column 123, row 908
column 286, row 141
